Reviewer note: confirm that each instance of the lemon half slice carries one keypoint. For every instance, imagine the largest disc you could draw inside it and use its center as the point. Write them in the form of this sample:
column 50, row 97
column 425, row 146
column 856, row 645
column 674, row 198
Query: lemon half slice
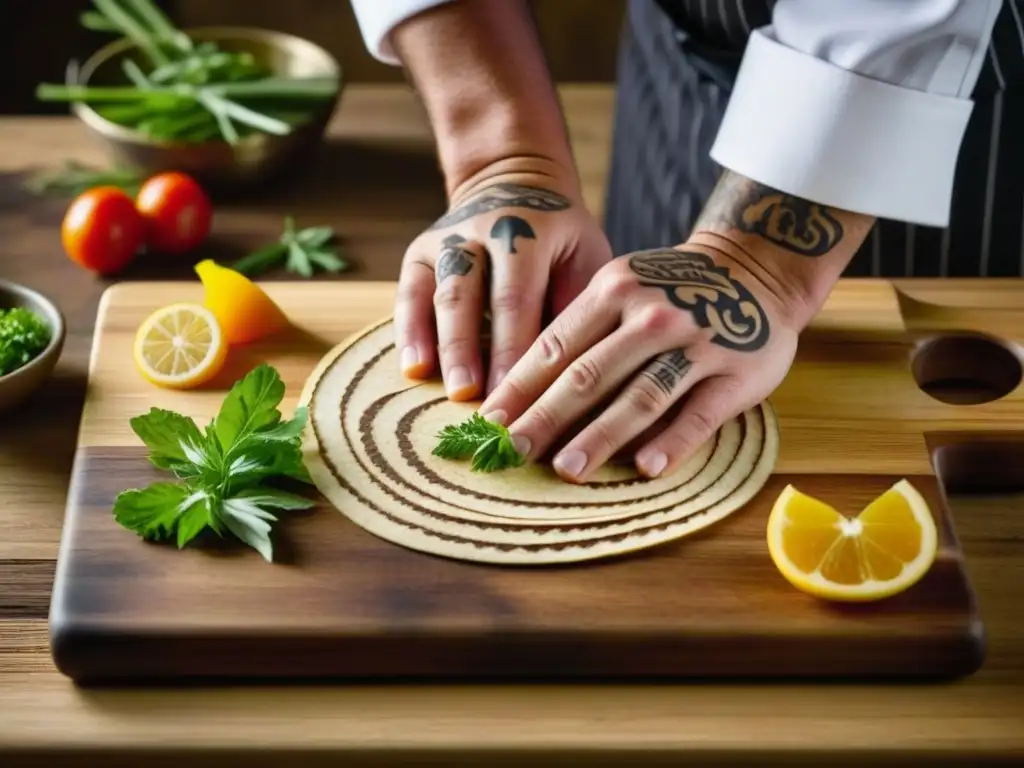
column 884, row 550
column 180, row 346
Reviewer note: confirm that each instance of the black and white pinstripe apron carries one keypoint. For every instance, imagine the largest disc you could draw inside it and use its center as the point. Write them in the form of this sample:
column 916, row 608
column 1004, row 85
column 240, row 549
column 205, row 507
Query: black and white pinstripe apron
column 677, row 62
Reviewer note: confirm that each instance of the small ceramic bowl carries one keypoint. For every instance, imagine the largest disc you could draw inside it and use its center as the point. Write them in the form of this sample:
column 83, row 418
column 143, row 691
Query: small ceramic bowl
column 18, row 385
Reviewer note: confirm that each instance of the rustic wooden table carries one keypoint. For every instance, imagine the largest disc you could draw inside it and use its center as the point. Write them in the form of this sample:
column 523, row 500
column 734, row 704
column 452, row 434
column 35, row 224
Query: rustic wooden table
column 377, row 184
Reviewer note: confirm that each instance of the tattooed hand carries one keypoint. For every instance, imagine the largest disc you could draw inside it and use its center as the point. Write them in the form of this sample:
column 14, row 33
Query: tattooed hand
column 516, row 248
column 666, row 345
column 671, row 327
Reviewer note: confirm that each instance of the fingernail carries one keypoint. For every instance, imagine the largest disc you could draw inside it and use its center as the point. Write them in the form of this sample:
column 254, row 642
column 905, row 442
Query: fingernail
column 410, row 357
column 571, row 463
column 653, row 464
column 459, row 380
column 522, row 444
column 498, row 417
column 413, row 364
column 499, row 374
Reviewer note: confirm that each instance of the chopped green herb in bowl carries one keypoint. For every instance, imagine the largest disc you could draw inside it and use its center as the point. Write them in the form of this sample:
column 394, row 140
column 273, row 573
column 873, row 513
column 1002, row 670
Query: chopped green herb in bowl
column 31, row 341
column 23, row 337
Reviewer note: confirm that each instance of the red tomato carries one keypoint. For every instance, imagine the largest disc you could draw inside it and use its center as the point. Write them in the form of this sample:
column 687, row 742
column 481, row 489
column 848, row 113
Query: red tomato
column 101, row 230
column 177, row 212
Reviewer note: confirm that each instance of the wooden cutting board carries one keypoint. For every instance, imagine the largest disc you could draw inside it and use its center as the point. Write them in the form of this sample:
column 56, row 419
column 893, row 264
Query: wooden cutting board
column 339, row 601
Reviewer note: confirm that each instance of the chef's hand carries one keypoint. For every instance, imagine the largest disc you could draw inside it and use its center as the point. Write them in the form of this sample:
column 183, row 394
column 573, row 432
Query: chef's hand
column 673, row 342
column 652, row 328
column 515, row 207
column 517, row 245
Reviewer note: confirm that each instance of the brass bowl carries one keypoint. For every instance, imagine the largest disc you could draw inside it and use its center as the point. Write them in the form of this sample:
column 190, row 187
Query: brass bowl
column 20, row 384
column 255, row 158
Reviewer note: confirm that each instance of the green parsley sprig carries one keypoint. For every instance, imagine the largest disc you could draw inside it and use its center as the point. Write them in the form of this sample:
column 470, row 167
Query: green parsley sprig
column 302, row 250
column 487, row 443
column 222, row 471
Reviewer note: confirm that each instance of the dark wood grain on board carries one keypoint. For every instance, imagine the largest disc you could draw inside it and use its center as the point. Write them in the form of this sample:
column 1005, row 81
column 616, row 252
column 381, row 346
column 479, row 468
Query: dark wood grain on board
column 343, row 602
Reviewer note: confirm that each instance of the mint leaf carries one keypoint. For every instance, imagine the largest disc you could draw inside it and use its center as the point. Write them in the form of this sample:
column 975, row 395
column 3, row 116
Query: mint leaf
column 195, row 518
column 256, row 461
column 274, row 498
column 151, row 512
column 249, row 523
column 222, row 467
column 294, row 467
column 298, row 261
column 173, row 440
column 251, row 404
column 315, row 237
column 271, row 452
column 285, row 430
column 327, row 260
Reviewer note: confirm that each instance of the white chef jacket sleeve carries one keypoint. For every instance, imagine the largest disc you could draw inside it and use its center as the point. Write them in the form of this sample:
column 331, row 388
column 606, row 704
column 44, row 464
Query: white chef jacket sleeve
column 376, row 19
column 859, row 104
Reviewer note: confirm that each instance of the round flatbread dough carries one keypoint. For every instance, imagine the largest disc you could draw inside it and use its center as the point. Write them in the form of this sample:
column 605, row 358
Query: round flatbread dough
column 369, row 447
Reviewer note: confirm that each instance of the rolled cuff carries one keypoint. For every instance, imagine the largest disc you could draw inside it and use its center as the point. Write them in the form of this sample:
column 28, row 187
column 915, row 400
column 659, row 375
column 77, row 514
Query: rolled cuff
column 376, row 19
column 816, row 131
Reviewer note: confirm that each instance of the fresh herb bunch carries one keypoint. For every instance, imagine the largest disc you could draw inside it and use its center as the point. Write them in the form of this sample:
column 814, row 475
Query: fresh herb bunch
column 302, row 250
column 187, row 91
column 23, row 336
column 487, row 443
column 223, row 471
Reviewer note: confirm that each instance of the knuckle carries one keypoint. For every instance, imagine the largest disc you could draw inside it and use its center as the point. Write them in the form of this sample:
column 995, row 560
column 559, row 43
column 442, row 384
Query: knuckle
column 599, row 438
column 685, row 436
column 509, row 300
column 450, row 294
column 410, row 290
column 506, row 356
column 656, row 318
column 614, row 285
column 584, row 376
column 460, row 347
column 543, row 421
column 513, row 390
column 695, row 429
column 645, row 400
column 552, row 346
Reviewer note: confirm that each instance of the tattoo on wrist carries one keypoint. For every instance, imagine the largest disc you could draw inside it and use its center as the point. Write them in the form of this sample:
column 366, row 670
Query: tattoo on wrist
column 508, row 228
column 503, row 195
column 789, row 222
column 667, row 369
column 692, row 281
column 454, row 259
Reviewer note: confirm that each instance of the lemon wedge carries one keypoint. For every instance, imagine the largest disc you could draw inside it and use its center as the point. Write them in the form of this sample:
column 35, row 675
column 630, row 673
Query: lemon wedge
column 243, row 309
column 882, row 551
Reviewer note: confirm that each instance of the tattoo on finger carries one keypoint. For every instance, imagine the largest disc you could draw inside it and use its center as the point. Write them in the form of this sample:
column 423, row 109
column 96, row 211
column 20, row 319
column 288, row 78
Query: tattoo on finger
column 790, row 222
column 692, row 281
column 508, row 228
column 454, row 259
column 667, row 370
column 503, row 195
